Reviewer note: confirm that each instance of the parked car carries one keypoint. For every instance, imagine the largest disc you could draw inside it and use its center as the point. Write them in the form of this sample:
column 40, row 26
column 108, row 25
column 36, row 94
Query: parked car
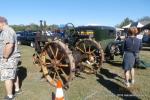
column 26, row 37
column 146, row 40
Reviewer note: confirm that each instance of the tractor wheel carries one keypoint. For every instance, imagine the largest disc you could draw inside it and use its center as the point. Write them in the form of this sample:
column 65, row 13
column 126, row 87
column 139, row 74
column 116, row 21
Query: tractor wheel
column 57, row 63
column 92, row 55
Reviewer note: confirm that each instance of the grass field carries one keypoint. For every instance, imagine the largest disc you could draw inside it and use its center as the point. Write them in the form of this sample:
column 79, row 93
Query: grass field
column 107, row 85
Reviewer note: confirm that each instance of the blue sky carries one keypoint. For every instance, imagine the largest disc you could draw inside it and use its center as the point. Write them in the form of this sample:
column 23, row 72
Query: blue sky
column 79, row 12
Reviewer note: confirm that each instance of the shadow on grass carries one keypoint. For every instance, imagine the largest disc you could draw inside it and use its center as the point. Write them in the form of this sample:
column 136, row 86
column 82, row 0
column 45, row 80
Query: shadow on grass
column 119, row 64
column 146, row 49
column 115, row 88
column 108, row 74
column 22, row 74
column 115, row 63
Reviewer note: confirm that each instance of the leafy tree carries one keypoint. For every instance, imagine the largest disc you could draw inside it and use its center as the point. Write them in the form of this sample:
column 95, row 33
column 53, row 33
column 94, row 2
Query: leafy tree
column 145, row 18
column 18, row 27
column 125, row 22
column 32, row 27
column 53, row 27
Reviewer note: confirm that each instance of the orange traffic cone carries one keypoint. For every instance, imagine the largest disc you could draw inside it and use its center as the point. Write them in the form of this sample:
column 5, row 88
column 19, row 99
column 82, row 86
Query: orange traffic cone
column 59, row 91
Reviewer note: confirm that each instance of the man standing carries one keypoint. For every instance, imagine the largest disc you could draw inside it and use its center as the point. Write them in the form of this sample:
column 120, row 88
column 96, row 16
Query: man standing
column 8, row 58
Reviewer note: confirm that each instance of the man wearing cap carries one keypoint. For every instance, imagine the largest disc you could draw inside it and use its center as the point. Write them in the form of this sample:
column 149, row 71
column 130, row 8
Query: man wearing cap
column 9, row 55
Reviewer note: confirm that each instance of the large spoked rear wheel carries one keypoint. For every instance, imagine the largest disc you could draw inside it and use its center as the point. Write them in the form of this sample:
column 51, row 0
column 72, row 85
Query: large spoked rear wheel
column 57, row 63
column 92, row 55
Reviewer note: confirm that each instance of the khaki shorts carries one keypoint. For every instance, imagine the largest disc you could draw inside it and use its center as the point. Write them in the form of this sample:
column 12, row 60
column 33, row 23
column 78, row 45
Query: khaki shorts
column 8, row 69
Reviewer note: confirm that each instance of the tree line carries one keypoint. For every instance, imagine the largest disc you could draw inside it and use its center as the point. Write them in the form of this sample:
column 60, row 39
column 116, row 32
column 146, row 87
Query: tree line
column 127, row 21
column 35, row 27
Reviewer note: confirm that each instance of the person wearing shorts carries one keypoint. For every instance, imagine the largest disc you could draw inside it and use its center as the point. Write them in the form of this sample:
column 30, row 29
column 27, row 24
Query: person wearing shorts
column 9, row 55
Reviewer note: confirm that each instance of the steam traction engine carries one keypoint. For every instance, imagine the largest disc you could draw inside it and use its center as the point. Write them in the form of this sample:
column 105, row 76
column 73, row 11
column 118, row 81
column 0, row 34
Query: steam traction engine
column 64, row 57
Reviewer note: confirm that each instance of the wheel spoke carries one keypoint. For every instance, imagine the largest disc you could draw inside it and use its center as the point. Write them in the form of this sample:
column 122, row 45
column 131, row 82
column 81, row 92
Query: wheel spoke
column 49, row 58
column 66, row 77
column 48, row 63
column 63, row 65
column 61, row 58
column 89, row 48
column 54, row 76
column 52, row 51
column 80, row 49
column 56, row 53
column 84, row 47
column 58, row 75
column 93, row 51
column 48, row 51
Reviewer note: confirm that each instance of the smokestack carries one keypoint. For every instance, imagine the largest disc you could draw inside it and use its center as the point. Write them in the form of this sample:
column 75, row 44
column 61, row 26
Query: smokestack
column 41, row 25
column 45, row 24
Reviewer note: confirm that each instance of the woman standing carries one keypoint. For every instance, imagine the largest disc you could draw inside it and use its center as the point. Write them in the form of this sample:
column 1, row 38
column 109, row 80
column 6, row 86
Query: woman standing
column 132, row 45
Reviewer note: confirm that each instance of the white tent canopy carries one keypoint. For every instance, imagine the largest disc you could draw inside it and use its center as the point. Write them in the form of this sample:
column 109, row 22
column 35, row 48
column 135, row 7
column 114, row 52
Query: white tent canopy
column 139, row 25
column 119, row 29
column 127, row 26
column 136, row 24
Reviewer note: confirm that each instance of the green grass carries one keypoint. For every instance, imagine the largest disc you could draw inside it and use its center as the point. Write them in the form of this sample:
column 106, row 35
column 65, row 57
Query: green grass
column 107, row 85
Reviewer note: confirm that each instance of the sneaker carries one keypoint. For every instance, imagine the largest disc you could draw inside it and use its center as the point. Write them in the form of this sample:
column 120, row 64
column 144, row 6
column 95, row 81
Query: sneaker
column 8, row 98
column 132, row 81
column 18, row 92
column 127, row 84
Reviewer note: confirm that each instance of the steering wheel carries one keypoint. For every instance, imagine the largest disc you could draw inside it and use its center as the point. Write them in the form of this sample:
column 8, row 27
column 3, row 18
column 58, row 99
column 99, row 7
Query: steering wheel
column 69, row 30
